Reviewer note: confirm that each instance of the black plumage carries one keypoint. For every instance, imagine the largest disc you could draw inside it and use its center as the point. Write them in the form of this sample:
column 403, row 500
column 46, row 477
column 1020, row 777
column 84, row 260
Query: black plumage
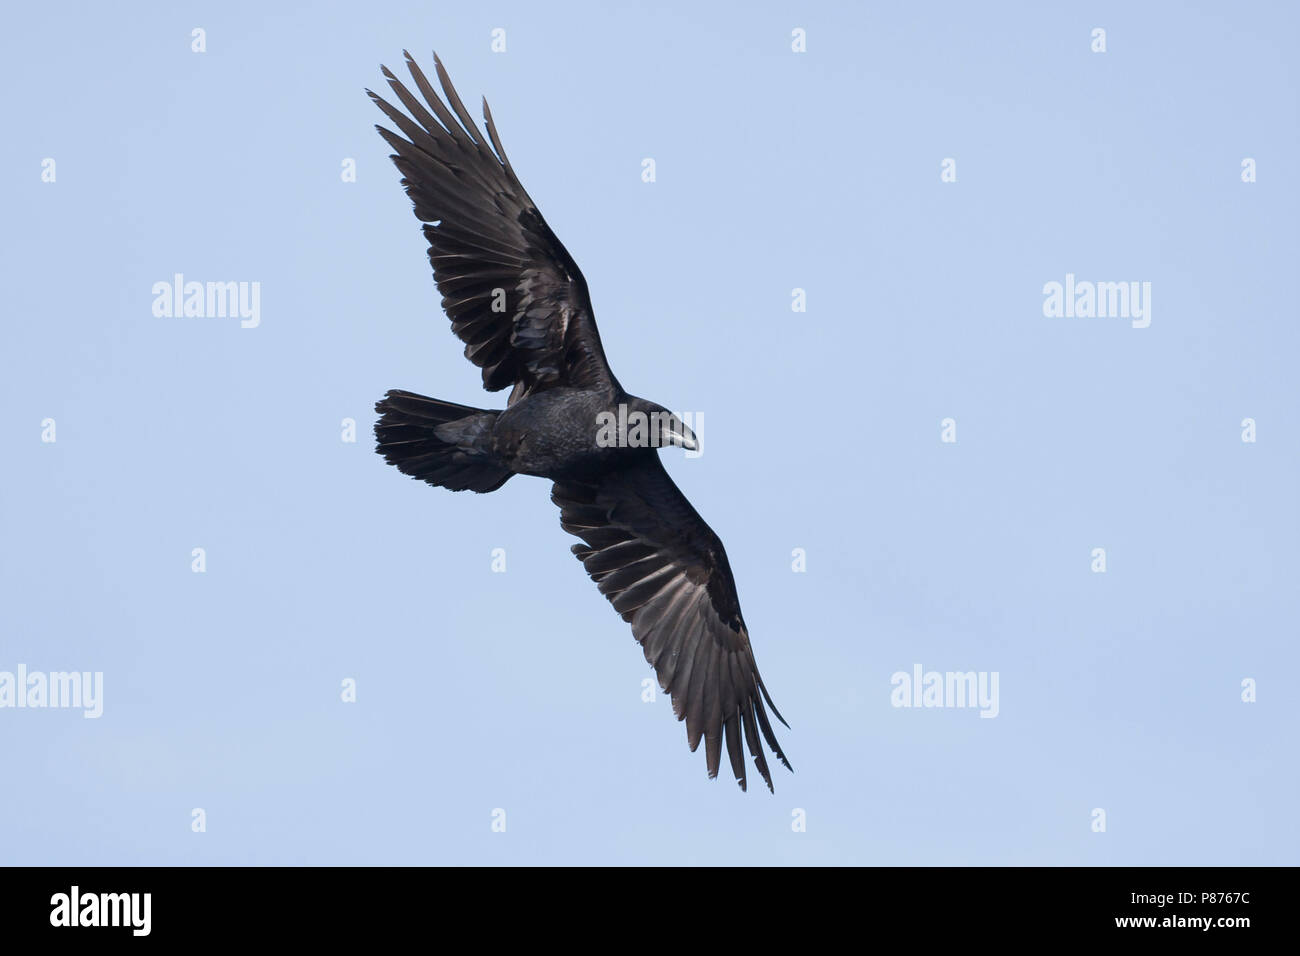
column 518, row 301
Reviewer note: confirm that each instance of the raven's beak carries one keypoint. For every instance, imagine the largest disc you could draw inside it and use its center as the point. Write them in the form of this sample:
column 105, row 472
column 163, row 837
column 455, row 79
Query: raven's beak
column 681, row 435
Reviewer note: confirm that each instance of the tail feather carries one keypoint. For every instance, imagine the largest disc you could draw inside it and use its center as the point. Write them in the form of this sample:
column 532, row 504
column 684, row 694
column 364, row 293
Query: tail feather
column 439, row 442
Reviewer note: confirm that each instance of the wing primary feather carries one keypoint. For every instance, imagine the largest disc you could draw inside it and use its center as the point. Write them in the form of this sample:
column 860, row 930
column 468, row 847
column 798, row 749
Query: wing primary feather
column 756, row 746
column 732, row 730
column 766, row 696
column 496, row 141
column 467, row 121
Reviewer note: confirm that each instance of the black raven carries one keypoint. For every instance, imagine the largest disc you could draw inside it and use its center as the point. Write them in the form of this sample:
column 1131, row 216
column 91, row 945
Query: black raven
column 519, row 303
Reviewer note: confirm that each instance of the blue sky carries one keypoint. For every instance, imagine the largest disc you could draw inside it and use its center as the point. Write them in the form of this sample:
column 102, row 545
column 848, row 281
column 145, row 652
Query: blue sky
column 775, row 170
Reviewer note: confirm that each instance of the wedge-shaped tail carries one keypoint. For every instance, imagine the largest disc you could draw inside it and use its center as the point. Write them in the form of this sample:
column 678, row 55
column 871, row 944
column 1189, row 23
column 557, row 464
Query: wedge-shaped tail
column 439, row 442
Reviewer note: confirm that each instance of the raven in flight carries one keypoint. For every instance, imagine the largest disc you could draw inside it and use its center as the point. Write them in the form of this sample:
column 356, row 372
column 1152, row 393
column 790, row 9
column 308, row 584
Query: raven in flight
column 519, row 303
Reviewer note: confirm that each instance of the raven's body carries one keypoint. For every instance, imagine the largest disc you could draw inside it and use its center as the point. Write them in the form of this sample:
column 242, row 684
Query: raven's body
column 519, row 303
column 553, row 434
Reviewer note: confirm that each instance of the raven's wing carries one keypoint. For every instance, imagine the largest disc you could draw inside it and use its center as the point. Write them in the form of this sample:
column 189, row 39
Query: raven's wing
column 666, row 572
column 514, row 294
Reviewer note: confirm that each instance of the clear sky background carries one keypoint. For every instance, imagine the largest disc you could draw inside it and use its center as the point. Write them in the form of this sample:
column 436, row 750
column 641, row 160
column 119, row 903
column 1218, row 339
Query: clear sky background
column 775, row 170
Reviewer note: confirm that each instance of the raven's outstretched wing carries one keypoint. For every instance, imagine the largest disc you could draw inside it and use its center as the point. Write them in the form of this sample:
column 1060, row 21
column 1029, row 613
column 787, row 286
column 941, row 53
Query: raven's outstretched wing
column 514, row 294
column 666, row 572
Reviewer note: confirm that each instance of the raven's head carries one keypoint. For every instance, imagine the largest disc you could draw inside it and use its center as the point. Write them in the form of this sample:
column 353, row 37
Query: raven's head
column 660, row 427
